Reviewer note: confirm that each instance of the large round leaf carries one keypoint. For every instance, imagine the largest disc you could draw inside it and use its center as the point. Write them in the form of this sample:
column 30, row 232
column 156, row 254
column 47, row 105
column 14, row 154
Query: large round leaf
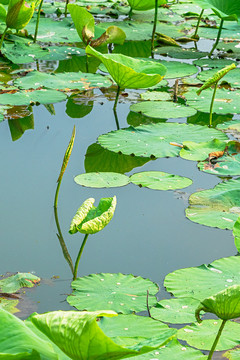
column 158, row 180
column 163, row 109
column 13, row 283
column 143, row 5
column 223, row 166
column 128, row 72
column 232, row 78
column 176, row 69
column 202, row 336
column 204, row 281
column 222, row 8
column 156, row 140
column 102, row 179
column 196, row 152
column 122, row 293
column 217, row 207
column 44, row 96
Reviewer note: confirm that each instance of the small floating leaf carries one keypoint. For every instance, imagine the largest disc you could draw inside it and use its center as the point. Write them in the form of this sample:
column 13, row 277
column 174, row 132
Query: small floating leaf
column 13, row 283
column 102, row 179
column 158, row 180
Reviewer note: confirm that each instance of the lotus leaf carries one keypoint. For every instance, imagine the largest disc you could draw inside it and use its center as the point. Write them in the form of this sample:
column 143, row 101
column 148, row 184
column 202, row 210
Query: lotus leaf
column 163, row 109
column 98, row 159
column 236, row 234
column 44, row 96
column 78, row 108
column 175, row 311
column 218, row 207
column 18, row 14
column 62, row 81
column 156, row 95
column 128, row 72
column 223, row 9
column 225, row 304
column 9, row 305
column 205, row 280
column 89, row 219
column 180, row 53
column 232, row 355
column 174, row 351
column 102, row 179
column 212, row 63
column 232, row 78
column 203, row 335
column 232, row 126
column 122, row 293
column 13, row 283
column 225, row 165
column 200, row 151
column 158, row 180
column 18, row 127
column 178, row 69
column 143, row 5
column 226, row 102
column 154, row 139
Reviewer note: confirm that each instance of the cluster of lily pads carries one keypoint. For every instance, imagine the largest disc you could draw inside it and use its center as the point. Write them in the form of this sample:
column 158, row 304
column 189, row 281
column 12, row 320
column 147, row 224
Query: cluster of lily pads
column 210, row 288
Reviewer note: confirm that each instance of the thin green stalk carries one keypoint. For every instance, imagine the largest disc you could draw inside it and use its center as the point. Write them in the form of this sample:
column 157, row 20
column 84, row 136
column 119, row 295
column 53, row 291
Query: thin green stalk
column 218, row 38
column 62, row 242
column 66, row 5
column 3, row 36
column 79, row 257
column 116, row 119
column 154, row 26
column 216, row 340
column 212, row 103
column 130, row 13
column 38, row 19
column 87, row 65
column 198, row 23
column 116, row 99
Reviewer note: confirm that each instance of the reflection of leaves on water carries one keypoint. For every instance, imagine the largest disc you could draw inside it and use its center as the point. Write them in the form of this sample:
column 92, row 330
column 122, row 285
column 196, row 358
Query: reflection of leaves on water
column 182, row 195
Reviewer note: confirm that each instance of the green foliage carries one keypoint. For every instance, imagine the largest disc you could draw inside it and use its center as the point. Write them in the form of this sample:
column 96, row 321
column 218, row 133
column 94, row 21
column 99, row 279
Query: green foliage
column 143, row 5
column 18, row 14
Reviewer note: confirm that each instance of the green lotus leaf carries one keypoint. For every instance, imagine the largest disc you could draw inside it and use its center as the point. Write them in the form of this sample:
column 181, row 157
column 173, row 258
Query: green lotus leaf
column 232, row 127
column 102, row 179
column 3, row 13
column 202, row 336
column 232, row 78
column 176, row 69
column 225, row 165
column 222, row 9
column 113, row 35
column 156, row 139
column 128, row 72
column 78, row 107
column 180, row 53
column 156, row 95
column 174, row 351
column 143, row 5
column 225, row 304
column 89, row 219
column 83, row 21
column 62, row 81
column 175, row 311
column 200, row 151
column 236, row 234
column 13, row 283
column 163, row 109
column 205, row 280
column 159, row 180
column 217, row 207
column 226, row 102
column 43, row 96
column 82, row 330
column 212, row 63
column 19, row 14
column 124, row 294
column 98, row 159
column 18, row 127
column 9, row 305
column 131, row 329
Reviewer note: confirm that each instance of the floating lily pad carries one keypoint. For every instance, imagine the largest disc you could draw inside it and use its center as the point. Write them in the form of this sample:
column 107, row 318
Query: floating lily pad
column 213, row 63
column 231, row 127
column 232, row 78
column 177, row 69
column 9, row 305
column 44, row 96
column 203, row 335
column 180, row 52
column 13, row 283
column 62, row 81
column 102, row 179
column 163, row 109
column 217, row 207
column 122, row 293
column 175, row 311
column 201, row 151
column 156, row 95
column 225, row 165
column 226, row 102
column 154, row 139
column 205, row 280
column 98, row 159
column 158, row 180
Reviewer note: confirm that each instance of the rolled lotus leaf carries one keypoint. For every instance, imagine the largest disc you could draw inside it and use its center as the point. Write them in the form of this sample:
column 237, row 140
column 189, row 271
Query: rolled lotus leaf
column 83, row 21
column 143, row 5
column 89, row 219
column 216, row 77
column 225, row 304
column 128, row 72
column 19, row 14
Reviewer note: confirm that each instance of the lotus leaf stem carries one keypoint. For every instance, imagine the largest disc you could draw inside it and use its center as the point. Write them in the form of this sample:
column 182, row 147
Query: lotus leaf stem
column 37, row 23
column 66, row 5
column 212, row 103
column 79, row 257
column 154, row 26
column 3, row 36
column 116, row 99
column 130, row 13
column 116, row 119
column 218, row 38
column 198, row 23
column 216, row 340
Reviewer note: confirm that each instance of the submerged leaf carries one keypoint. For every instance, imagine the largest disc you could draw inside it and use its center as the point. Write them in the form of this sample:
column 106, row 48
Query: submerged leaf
column 13, row 283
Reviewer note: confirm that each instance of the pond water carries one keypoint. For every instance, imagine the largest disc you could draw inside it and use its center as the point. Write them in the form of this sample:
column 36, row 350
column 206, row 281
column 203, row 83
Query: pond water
column 148, row 236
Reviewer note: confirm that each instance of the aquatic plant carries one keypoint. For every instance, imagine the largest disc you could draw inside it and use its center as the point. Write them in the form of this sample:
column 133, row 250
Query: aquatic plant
column 128, row 72
column 90, row 220
column 214, row 80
